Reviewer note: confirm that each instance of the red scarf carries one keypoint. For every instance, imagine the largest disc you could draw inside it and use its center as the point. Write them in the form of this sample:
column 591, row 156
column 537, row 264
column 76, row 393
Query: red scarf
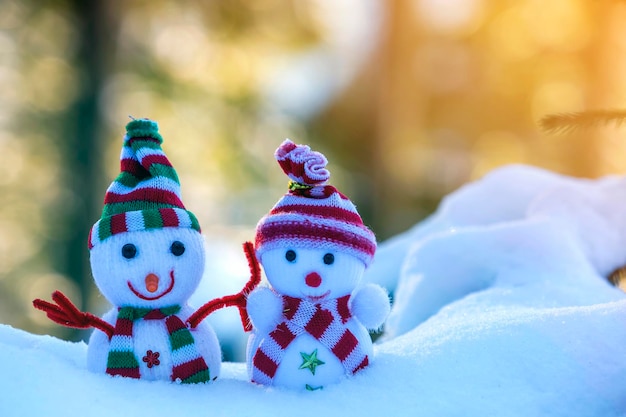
column 325, row 322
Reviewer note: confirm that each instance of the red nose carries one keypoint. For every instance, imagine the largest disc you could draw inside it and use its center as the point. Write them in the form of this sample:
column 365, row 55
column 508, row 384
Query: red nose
column 313, row 279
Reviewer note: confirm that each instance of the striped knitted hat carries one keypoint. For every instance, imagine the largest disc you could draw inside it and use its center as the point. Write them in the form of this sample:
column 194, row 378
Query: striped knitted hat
column 311, row 214
column 146, row 193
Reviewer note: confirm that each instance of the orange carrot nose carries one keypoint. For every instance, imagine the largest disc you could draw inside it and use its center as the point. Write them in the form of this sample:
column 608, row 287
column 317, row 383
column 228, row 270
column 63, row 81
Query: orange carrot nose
column 152, row 282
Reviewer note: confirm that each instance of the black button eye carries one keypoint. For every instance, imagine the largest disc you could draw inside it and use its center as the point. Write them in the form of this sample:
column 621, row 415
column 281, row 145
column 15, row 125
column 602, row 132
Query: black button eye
column 329, row 259
column 290, row 255
column 177, row 248
column 129, row 251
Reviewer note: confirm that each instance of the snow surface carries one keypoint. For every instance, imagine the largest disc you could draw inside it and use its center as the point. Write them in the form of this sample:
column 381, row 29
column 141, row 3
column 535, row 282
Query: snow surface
column 501, row 309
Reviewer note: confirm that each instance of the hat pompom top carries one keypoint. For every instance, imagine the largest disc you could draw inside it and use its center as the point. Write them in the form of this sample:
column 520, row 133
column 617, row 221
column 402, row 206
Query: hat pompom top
column 301, row 164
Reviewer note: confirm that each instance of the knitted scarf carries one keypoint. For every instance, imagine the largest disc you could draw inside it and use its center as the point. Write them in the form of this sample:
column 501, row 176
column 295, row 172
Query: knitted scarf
column 189, row 366
column 325, row 322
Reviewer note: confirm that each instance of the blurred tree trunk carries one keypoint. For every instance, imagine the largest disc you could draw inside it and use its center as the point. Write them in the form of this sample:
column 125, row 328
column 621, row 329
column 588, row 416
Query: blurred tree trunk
column 84, row 130
column 377, row 125
column 400, row 107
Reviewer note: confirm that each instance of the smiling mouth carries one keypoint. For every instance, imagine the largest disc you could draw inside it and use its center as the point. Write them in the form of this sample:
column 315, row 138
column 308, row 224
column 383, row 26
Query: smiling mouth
column 155, row 297
column 318, row 298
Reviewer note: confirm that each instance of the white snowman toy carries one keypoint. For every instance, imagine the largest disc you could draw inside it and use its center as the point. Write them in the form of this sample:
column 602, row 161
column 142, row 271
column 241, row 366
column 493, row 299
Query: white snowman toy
column 310, row 327
column 147, row 258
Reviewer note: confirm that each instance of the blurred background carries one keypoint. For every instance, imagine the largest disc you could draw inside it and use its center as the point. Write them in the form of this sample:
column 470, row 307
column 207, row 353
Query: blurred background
column 408, row 99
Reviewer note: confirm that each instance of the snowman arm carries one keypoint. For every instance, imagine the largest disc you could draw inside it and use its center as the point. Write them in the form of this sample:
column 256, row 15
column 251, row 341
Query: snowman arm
column 238, row 300
column 265, row 308
column 216, row 304
column 370, row 305
column 65, row 313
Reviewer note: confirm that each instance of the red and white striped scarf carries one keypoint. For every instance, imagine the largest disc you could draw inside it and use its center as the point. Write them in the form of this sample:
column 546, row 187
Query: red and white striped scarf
column 325, row 322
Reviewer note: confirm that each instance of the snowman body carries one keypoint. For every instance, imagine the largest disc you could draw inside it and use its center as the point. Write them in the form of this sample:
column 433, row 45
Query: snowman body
column 150, row 270
column 320, row 277
column 151, row 337
column 318, row 367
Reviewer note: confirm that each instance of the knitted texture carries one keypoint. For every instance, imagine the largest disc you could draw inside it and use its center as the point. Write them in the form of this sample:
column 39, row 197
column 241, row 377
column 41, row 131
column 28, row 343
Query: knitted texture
column 146, row 193
column 311, row 214
column 189, row 366
column 325, row 322
column 238, row 300
column 65, row 313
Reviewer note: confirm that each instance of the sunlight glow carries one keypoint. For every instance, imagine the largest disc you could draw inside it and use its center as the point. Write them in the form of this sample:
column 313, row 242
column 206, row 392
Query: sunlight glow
column 450, row 16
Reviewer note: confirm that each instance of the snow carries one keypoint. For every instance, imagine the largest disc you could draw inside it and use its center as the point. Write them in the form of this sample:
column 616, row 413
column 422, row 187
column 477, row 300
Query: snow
column 520, row 236
column 501, row 308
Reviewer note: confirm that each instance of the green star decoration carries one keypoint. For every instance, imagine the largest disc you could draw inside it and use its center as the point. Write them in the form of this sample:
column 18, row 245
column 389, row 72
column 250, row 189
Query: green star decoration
column 310, row 361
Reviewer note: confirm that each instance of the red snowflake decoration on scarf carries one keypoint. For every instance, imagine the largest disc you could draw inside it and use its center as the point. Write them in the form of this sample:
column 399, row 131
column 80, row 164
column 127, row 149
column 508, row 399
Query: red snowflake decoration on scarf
column 152, row 358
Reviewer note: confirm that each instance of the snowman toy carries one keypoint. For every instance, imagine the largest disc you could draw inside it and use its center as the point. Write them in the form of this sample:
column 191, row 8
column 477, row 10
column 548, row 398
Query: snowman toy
column 310, row 327
column 147, row 258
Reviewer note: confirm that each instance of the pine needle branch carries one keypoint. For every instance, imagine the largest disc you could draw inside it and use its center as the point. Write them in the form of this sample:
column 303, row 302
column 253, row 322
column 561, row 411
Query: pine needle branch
column 570, row 122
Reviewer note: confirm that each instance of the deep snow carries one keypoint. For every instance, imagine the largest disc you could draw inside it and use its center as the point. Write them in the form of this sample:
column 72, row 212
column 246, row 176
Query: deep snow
column 501, row 308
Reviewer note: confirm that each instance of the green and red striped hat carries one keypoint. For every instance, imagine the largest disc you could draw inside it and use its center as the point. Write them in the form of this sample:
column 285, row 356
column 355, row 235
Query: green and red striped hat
column 146, row 193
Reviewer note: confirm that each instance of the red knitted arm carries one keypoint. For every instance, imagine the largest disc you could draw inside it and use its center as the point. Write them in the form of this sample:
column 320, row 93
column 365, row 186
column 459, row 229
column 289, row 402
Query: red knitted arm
column 238, row 300
column 65, row 313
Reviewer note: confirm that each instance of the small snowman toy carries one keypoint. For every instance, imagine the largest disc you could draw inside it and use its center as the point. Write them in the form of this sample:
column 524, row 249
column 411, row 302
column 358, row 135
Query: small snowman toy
column 310, row 327
column 147, row 258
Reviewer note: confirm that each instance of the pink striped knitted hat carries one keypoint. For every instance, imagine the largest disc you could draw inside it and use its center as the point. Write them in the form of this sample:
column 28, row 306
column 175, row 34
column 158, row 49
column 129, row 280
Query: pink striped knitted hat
column 311, row 214
column 146, row 193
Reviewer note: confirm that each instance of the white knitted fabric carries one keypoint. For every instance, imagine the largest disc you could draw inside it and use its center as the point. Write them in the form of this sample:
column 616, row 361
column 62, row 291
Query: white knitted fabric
column 178, row 278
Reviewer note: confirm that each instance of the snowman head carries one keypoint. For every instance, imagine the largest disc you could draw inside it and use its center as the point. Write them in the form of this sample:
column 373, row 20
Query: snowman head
column 146, row 249
column 313, row 242
column 149, row 268
column 315, row 274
